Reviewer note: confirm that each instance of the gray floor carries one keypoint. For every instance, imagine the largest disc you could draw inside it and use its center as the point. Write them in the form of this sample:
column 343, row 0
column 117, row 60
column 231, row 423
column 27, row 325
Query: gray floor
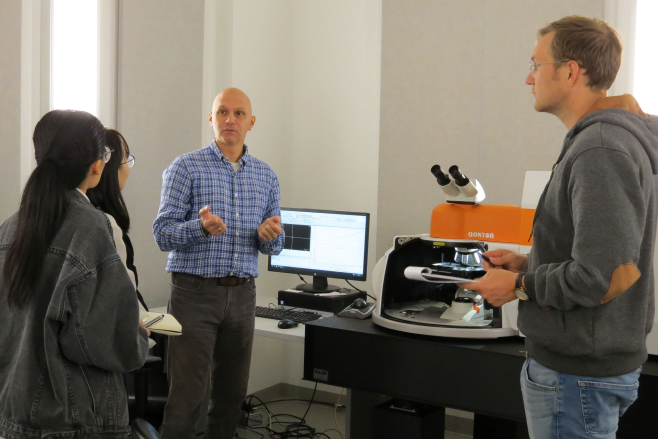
column 323, row 418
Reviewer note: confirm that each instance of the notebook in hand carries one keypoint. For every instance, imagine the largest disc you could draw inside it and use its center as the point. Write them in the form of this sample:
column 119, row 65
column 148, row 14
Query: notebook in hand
column 161, row 323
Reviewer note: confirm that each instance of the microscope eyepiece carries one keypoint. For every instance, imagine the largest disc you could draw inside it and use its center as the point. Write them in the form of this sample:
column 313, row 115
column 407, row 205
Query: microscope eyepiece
column 441, row 177
column 457, row 175
column 447, row 186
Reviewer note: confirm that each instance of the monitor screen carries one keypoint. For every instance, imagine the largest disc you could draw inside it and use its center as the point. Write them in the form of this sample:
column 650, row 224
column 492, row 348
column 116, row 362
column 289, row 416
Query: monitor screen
column 323, row 243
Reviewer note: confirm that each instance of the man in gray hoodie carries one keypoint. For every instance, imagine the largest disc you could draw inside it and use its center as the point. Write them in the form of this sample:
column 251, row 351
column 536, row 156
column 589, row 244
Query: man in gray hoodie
column 587, row 287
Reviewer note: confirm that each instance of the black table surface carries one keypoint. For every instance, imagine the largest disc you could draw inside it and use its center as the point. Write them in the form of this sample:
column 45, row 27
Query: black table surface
column 514, row 346
column 504, row 345
column 476, row 375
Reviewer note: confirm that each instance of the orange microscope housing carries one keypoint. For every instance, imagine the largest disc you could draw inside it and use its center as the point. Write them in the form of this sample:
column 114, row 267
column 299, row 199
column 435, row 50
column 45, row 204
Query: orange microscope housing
column 488, row 223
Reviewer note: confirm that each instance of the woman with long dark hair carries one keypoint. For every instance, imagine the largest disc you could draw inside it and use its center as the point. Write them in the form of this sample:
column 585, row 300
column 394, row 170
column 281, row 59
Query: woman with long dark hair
column 107, row 197
column 70, row 322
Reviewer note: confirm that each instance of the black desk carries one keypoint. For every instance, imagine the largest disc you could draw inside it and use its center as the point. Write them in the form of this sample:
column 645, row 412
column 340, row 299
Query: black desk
column 480, row 376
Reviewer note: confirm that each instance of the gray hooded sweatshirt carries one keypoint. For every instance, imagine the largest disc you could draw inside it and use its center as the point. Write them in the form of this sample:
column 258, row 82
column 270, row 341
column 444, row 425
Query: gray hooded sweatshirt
column 590, row 272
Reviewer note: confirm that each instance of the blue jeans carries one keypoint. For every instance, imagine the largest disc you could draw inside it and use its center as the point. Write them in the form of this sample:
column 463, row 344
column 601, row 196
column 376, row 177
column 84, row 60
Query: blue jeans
column 563, row 406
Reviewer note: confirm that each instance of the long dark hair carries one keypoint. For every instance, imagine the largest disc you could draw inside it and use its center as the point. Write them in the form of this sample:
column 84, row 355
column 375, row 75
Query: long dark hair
column 107, row 194
column 66, row 143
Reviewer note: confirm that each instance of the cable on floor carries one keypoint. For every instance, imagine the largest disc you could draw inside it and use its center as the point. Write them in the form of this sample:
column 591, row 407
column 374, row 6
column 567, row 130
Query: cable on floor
column 298, row 428
column 342, row 433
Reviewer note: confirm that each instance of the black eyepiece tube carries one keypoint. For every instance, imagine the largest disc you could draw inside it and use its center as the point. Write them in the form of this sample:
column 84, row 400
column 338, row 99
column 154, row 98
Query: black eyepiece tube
column 441, row 177
column 460, row 178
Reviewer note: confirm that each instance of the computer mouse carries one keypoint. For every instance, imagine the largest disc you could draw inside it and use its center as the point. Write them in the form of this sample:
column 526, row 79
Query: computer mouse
column 359, row 304
column 287, row 324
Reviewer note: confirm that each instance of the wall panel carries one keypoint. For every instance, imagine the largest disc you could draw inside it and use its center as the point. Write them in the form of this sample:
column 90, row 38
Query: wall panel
column 10, row 106
column 159, row 97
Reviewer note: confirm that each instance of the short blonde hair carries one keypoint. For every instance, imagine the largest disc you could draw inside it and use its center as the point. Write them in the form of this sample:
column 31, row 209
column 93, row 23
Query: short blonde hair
column 592, row 43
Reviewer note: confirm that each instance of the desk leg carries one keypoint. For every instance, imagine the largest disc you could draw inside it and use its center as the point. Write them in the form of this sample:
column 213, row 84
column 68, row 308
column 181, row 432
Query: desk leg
column 360, row 405
column 488, row 427
column 364, row 418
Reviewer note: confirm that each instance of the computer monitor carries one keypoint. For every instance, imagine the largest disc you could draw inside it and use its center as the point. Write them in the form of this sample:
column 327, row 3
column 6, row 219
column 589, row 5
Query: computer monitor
column 323, row 243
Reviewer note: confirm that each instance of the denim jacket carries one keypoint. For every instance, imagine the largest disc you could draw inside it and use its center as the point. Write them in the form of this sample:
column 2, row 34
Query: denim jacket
column 62, row 355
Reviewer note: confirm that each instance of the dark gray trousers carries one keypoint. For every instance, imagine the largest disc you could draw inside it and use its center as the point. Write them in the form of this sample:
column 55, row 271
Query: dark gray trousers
column 214, row 350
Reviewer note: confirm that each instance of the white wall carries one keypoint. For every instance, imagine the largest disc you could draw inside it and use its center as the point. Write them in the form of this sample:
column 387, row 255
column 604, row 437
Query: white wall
column 10, row 106
column 160, row 63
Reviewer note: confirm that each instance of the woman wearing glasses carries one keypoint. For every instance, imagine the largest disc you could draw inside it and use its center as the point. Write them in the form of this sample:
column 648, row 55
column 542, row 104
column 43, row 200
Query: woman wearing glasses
column 107, row 197
column 70, row 322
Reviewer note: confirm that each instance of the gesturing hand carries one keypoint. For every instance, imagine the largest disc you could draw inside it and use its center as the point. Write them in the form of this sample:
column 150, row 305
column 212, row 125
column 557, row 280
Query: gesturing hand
column 269, row 229
column 212, row 224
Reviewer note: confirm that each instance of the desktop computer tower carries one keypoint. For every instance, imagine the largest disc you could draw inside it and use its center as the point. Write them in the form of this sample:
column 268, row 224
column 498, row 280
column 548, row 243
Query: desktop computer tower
column 332, row 302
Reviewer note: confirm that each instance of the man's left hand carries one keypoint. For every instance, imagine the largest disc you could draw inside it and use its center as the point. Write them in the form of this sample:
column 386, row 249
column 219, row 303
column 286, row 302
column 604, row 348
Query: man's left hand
column 497, row 286
column 270, row 229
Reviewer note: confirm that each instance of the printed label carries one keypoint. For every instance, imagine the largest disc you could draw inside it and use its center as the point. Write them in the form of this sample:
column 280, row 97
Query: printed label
column 320, row 374
column 481, row 235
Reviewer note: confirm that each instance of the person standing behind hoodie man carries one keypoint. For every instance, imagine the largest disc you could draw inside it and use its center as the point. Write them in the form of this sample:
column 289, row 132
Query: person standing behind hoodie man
column 587, row 287
column 219, row 207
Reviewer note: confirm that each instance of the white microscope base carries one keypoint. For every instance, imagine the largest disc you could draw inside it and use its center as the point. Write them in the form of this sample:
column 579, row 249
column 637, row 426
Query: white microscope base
column 481, row 333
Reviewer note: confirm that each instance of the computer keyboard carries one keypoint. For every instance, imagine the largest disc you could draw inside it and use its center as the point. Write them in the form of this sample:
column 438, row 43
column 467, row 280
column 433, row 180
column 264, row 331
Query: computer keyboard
column 278, row 314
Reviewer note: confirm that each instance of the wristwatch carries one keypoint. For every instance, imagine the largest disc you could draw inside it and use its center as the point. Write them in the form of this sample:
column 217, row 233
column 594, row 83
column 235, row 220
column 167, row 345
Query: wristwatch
column 519, row 289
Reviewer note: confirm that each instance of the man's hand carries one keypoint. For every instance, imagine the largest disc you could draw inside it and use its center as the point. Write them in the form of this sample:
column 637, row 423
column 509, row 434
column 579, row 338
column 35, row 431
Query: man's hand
column 505, row 259
column 212, row 224
column 497, row 286
column 270, row 229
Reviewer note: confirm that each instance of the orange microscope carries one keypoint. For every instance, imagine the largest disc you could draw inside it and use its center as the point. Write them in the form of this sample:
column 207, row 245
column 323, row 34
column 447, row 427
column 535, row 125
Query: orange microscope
column 416, row 280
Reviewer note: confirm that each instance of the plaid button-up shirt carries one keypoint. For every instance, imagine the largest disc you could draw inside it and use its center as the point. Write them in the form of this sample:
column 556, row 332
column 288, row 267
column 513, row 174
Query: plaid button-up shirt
column 242, row 199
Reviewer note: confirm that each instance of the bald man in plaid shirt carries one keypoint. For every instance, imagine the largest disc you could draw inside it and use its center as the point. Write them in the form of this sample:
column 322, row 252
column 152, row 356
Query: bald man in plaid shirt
column 219, row 207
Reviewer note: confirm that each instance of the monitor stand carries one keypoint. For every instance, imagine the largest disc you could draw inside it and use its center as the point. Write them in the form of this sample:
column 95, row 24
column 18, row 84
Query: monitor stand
column 319, row 285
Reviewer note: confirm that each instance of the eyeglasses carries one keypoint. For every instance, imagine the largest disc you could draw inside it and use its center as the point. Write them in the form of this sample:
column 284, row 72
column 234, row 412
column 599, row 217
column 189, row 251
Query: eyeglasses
column 534, row 66
column 130, row 161
column 105, row 156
